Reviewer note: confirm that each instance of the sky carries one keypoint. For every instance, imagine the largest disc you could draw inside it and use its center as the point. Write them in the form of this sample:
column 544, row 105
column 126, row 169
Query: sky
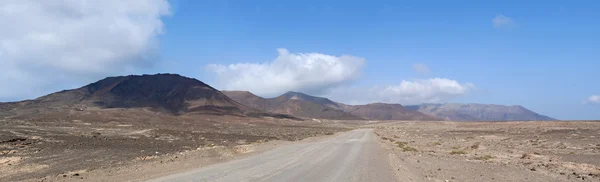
column 543, row 55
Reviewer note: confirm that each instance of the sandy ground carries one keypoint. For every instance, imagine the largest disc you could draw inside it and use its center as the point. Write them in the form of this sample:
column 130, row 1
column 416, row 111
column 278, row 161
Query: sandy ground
column 164, row 165
column 85, row 149
column 505, row 151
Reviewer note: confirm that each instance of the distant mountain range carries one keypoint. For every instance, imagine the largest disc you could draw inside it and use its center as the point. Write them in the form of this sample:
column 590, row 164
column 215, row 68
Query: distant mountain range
column 479, row 112
column 382, row 111
column 307, row 106
column 177, row 95
column 303, row 105
column 295, row 104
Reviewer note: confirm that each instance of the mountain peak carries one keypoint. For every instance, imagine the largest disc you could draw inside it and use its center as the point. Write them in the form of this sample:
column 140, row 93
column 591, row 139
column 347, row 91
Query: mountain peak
column 301, row 95
column 290, row 94
column 152, row 82
column 167, row 92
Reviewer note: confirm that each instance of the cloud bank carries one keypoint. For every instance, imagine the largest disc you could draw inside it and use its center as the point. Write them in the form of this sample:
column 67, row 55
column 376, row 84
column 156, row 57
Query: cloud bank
column 304, row 72
column 331, row 76
column 46, row 43
column 407, row 92
column 433, row 90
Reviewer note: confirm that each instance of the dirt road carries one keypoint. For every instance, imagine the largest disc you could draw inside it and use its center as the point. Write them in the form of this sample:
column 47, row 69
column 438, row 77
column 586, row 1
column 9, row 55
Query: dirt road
column 350, row 156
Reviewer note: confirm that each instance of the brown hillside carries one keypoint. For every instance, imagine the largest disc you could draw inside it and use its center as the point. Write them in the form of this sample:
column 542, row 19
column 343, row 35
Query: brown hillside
column 295, row 104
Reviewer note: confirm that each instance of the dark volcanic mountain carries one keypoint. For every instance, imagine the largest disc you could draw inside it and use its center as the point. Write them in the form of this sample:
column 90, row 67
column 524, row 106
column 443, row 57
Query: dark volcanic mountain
column 382, row 111
column 162, row 92
column 295, row 104
column 479, row 112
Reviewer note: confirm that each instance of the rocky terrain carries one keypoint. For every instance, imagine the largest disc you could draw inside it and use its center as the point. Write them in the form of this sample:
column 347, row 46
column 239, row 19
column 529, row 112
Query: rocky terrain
column 479, row 112
column 494, row 151
column 73, row 145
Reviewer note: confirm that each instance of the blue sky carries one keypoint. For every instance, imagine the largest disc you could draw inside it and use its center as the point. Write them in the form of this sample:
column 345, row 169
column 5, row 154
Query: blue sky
column 547, row 61
column 543, row 55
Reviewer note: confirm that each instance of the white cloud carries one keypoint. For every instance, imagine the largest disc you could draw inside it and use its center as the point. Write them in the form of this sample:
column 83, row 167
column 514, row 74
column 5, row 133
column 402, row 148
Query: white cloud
column 304, row 72
column 501, row 21
column 421, row 68
column 326, row 75
column 433, row 90
column 45, row 43
column 595, row 99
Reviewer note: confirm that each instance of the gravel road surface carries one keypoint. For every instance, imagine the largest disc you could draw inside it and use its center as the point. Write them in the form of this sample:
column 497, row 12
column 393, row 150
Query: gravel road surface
column 349, row 156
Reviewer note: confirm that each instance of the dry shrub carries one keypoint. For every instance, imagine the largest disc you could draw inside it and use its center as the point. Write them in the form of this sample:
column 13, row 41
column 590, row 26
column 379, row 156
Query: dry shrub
column 458, row 152
column 484, row 158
